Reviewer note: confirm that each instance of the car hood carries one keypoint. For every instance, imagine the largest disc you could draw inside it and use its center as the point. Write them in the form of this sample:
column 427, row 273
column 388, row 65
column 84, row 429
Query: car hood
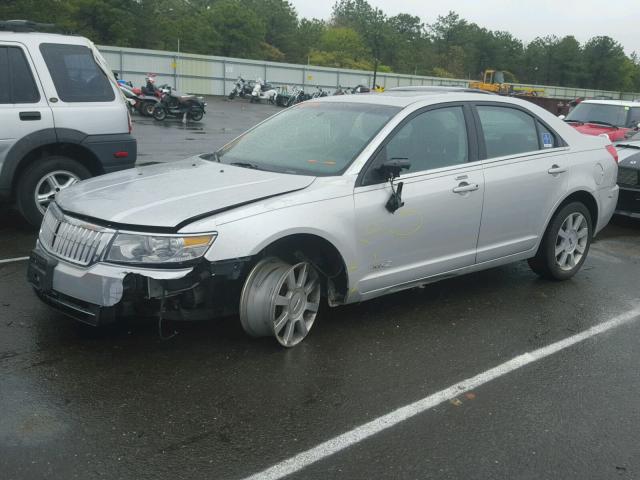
column 171, row 195
column 614, row 134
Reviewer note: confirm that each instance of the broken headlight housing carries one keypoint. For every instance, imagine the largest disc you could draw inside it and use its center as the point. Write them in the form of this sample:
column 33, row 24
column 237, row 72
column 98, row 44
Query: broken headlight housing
column 158, row 249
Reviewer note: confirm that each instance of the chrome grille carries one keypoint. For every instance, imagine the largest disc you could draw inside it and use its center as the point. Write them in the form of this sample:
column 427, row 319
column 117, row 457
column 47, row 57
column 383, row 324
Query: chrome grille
column 628, row 176
column 72, row 239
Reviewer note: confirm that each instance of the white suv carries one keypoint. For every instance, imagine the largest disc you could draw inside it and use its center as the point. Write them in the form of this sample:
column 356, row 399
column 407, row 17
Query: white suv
column 62, row 116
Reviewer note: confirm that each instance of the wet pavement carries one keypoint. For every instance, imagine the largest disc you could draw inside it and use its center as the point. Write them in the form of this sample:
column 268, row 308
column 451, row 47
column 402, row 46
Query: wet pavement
column 212, row 403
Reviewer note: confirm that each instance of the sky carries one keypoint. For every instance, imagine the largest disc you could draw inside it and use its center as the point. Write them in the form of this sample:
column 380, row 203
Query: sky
column 525, row 19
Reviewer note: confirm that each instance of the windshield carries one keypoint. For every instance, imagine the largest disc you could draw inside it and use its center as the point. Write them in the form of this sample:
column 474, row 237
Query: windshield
column 319, row 139
column 598, row 112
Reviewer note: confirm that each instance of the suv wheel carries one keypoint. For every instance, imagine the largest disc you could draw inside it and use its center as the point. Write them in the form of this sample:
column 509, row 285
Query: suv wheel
column 280, row 299
column 41, row 181
column 565, row 244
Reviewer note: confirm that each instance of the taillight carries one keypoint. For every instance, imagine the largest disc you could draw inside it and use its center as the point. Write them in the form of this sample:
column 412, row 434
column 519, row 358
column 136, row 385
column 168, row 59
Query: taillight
column 612, row 150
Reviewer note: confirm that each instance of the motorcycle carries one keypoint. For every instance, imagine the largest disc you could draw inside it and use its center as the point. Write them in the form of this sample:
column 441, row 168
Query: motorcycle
column 263, row 91
column 143, row 104
column 175, row 105
column 241, row 89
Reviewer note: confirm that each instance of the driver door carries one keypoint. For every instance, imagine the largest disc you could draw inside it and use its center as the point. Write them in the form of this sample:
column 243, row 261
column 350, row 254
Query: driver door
column 436, row 231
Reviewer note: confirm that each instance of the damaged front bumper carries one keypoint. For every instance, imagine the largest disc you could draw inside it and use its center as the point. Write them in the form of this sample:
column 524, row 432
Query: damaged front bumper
column 95, row 294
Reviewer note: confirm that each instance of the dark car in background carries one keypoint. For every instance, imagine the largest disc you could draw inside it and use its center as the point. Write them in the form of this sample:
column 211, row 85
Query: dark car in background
column 629, row 177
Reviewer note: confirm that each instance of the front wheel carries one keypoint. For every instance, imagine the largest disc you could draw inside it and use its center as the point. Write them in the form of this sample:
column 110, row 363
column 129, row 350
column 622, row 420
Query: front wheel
column 565, row 244
column 159, row 113
column 232, row 95
column 39, row 184
column 280, row 299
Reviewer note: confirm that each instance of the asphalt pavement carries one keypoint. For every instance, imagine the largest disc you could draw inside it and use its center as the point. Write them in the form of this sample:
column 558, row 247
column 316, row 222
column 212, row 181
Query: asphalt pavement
column 212, row 403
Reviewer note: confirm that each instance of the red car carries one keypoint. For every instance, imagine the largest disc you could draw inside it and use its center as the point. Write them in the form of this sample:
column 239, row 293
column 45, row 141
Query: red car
column 616, row 118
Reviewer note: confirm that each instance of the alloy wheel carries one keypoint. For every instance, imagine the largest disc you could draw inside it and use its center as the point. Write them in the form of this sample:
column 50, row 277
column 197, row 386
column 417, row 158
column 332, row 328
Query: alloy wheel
column 50, row 184
column 281, row 300
column 571, row 242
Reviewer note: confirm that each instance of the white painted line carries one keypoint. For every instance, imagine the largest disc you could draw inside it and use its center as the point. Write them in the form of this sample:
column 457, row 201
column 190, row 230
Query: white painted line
column 17, row 259
column 358, row 434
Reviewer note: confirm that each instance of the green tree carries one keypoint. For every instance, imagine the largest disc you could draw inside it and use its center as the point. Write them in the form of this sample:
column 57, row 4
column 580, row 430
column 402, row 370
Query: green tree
column 604, row 61
column 241, row 31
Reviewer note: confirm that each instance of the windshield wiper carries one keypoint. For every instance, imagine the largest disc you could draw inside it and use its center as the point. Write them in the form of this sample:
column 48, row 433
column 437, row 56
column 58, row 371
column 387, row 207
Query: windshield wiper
column 568, row 120
column 245, row 165
column 629, row 145
column 599, row 122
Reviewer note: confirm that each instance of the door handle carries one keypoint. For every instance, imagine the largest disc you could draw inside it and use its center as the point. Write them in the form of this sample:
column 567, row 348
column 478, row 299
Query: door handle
column 465, row 187
column 555, row 169
column 26, row 116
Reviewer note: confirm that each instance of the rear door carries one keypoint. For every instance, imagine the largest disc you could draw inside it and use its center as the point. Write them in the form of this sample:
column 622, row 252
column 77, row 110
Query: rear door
column 23, row 106
column 85, row 98
column 525, row 172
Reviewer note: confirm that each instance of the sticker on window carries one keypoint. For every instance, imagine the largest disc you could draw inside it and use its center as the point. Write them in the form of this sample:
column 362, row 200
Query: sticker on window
column 547, row 140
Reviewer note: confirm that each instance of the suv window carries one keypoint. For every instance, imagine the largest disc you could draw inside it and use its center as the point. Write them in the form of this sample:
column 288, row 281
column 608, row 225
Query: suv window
column 75, row 73
column 433, row 139
column 507, row 131
column 16, row 80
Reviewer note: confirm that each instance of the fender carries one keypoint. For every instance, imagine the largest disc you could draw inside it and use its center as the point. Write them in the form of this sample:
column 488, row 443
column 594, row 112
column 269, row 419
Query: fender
column 555, row 209
column 21, row 149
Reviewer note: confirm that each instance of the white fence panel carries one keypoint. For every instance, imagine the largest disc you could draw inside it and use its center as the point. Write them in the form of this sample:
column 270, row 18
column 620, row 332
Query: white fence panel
column 214, row 75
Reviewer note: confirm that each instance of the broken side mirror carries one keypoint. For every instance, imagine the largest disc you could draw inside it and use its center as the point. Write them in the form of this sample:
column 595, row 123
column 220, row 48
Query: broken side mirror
column 392, row 169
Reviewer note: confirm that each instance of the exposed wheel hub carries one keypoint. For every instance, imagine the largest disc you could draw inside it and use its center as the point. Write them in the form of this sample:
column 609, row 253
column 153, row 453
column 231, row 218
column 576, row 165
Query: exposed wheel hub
column 281, row 300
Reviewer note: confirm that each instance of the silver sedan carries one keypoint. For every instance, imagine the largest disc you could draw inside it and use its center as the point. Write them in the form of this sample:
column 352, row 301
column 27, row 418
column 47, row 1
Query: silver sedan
column 336, row 200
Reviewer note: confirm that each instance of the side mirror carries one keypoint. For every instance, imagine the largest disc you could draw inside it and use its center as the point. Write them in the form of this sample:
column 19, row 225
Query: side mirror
column 393, row 167
column 562, row 117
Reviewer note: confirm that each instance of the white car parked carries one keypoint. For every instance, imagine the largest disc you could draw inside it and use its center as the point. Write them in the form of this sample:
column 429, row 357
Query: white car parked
column 62, row 116
column 342, row 198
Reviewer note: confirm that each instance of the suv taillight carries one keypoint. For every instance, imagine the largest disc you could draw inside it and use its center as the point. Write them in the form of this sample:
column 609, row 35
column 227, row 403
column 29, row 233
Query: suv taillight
column 612, row 150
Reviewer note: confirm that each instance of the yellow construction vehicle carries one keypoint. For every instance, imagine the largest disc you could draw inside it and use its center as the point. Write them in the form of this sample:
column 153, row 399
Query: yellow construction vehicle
column 494, row 81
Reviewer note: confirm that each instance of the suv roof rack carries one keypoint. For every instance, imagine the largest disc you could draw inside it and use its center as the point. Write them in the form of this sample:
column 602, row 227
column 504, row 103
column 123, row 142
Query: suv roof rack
column 24, row 26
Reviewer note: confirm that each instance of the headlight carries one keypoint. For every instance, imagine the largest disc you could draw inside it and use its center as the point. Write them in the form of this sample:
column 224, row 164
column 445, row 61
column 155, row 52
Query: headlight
column 134, row 248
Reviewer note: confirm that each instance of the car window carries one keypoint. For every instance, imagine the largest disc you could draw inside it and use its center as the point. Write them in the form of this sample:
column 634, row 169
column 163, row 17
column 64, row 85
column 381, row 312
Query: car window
column 75, row 73
column 317, row 138
column 433, row 139
column 24, row 89
column 5, row 79
column 507, row 131
column 598, row 113
column 547, row 138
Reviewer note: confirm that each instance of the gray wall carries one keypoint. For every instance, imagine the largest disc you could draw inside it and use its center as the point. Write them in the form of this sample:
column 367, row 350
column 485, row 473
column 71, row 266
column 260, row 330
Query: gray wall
column 210, row 75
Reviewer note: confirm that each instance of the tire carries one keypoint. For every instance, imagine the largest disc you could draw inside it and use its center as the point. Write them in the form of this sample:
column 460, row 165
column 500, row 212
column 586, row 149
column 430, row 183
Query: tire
column 40, row 179
column 147, row 109
column 159, row 113
column 565, row 244
column 281, row 300
column 232, row 95
column 196, row 116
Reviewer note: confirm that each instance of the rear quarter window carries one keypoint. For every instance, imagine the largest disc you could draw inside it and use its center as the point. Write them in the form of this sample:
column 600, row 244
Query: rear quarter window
column 76, row 74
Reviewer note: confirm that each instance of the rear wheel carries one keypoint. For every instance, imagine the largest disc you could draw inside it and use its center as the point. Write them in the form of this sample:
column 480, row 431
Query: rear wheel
column 565, row 244
column 196, row 115
column 147, row 109
column 280, row 299
column 39, row 184
column 159, row 113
